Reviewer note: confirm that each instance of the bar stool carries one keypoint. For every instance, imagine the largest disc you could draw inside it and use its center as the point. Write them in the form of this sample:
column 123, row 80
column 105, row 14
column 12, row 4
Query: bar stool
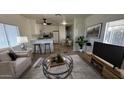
column 47, row 44
column 39, row 47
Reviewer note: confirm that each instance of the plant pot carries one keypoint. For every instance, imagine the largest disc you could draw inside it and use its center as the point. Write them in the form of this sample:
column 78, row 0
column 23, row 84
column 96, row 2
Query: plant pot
column 81, row 50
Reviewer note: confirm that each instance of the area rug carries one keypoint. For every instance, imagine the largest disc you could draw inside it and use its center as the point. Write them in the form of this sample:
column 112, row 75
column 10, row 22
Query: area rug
column 81, row 70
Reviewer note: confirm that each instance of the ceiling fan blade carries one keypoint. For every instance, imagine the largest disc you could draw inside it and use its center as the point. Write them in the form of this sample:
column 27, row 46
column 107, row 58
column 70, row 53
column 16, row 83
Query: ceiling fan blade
column 49, row 23
column 45, row 22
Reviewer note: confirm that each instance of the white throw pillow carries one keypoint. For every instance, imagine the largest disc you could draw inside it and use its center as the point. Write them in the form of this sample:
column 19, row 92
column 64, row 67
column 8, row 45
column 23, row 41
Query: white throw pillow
column 4, row 57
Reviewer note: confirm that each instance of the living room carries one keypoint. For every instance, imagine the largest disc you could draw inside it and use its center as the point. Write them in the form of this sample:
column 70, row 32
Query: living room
column 65, row 46
column 31, row 42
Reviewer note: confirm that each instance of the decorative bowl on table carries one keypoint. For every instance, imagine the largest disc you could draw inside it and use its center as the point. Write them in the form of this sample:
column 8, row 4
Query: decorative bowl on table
column 57, row 60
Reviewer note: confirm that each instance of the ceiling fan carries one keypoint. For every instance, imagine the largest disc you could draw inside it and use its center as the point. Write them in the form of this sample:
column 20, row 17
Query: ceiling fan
column 45, row 22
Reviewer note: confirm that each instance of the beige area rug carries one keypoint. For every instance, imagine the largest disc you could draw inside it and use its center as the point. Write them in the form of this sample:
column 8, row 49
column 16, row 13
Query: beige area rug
column 81, row 70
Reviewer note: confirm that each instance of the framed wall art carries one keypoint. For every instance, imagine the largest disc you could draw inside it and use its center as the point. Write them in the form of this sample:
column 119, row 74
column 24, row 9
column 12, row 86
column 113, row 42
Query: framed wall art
column 94, row 31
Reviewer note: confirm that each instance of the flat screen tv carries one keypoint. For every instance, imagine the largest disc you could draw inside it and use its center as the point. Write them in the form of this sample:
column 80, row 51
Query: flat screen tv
column 111, row 53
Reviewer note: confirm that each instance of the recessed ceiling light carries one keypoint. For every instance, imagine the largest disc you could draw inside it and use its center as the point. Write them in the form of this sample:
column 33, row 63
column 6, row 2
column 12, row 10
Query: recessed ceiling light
column 58, row 15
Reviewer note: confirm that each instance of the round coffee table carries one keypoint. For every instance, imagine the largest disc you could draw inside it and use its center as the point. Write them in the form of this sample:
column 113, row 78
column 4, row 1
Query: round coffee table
column 59, row 70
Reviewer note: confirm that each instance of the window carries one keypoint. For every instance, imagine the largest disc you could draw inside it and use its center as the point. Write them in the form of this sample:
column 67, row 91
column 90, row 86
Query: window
column 8, row 35
column 114, row 33
column 12, row 34
column 3, row 39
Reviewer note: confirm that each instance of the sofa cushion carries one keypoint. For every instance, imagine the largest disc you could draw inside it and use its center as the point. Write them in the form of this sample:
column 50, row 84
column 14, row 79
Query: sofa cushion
column 4, row 56
column 20, row 60
column 21, row 64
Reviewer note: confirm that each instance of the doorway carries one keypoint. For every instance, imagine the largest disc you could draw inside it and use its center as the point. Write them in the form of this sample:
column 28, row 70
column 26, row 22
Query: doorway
column 56, row 37
column 69, row 35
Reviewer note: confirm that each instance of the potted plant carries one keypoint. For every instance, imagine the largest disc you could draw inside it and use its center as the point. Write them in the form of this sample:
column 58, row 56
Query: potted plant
column 81, row 41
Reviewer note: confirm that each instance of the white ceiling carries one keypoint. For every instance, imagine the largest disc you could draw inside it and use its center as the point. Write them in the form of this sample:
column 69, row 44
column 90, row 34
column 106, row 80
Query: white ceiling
column 52, row 18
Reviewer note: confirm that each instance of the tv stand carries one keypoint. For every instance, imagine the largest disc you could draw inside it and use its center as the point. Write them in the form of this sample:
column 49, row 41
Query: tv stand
column 106, row 69
column 114, row 67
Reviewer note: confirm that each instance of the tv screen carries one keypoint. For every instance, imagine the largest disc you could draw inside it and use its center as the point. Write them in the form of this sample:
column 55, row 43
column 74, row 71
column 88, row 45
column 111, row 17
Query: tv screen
column 111, row 53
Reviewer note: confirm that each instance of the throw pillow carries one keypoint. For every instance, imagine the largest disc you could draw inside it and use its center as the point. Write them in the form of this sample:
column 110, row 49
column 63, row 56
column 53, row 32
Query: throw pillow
column 12, row 55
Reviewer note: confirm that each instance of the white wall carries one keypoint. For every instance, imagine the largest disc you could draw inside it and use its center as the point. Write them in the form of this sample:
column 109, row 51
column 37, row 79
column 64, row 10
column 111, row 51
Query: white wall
column 62, row 33
column 30, row 29
column 101, row 18
column 37, row 28
column 78, row 30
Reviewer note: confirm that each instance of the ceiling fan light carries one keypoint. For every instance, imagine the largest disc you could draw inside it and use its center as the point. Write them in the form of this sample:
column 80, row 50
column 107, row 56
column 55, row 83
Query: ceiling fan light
column 44, row 23
column 64, row 22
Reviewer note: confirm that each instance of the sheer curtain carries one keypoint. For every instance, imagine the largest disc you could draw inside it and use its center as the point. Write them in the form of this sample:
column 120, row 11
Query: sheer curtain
column 3, row 39
column 8, row 35
column 114, row 35
column 12, row 34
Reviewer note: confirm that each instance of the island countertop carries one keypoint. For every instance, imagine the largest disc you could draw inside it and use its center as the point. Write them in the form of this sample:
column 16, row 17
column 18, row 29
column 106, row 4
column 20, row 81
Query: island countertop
column 43, row 41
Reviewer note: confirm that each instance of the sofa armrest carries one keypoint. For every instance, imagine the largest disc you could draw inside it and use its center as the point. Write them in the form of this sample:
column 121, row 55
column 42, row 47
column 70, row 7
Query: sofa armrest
column 7, row 69
column 21, row 64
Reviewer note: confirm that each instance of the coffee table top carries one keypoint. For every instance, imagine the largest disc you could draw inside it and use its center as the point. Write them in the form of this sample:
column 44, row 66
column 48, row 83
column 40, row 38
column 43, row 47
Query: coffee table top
column 58, row 69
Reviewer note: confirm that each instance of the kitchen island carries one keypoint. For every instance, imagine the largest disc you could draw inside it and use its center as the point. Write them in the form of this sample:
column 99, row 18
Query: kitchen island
column 43, row 41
